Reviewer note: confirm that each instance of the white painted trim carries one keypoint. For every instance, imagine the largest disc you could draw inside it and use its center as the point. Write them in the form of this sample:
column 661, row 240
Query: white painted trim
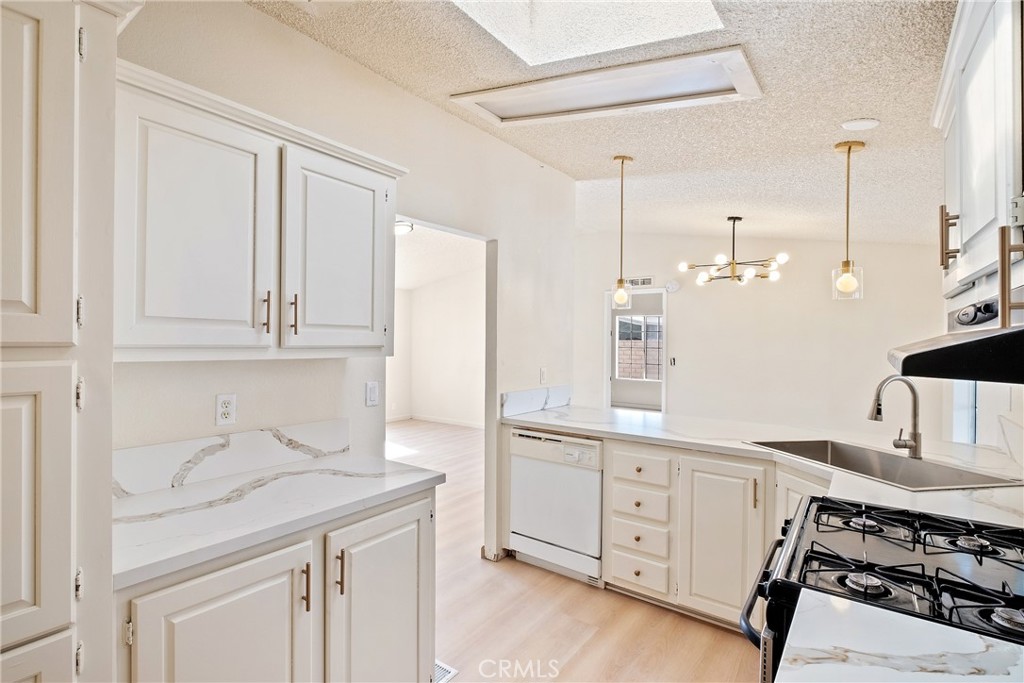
column 609, row 369
column 967, row 23
column 398, row 418
column 124, row 10
column 446, row 421
column 150, row 81
column 744, row 87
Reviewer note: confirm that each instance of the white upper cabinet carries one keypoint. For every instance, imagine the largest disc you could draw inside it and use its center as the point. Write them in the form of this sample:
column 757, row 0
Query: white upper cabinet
column 39, row 90
column 239, row 236
column 978, row 112
column 196, row 226
column 336, row 216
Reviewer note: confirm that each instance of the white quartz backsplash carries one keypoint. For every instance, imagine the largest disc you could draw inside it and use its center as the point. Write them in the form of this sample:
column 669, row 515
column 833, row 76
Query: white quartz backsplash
column 170, row 465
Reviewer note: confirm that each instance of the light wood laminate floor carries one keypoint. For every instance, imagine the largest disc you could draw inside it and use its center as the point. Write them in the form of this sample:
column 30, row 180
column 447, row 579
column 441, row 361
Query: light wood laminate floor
column 493, row 611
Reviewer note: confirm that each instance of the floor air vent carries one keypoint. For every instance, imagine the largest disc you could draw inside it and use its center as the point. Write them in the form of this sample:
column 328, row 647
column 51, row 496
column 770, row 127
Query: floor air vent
column 443, row 673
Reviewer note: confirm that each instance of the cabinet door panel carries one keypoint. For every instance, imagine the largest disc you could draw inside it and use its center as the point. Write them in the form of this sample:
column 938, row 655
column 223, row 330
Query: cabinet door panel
column 789, row 491
column 49, row 660
column 380, row 621
column 980, row 137
column 37, row 461
column 196, row 225
column 39, row 90
column 335, row 218
column 244, row 623
column 721, row 532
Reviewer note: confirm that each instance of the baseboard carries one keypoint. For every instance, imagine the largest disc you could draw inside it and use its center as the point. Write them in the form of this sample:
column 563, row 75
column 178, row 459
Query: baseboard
column 398, row 418
column 446, row 421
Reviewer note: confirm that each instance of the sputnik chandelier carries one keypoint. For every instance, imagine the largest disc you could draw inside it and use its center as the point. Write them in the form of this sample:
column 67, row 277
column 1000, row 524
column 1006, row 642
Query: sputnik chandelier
column 741, row 272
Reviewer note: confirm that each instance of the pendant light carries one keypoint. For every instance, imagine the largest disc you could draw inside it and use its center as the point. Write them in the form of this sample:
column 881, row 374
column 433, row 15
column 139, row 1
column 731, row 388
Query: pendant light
column 622, row 297
column 848, row 279
column 740, row 272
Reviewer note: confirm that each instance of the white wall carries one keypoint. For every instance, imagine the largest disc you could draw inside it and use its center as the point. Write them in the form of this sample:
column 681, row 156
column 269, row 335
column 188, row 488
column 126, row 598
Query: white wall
column 459, row 177
column 448, row 353
column 398, row 387
column 781, row 352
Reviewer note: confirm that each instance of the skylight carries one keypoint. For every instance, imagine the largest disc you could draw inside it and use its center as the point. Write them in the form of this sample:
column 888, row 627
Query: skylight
column 542, row 31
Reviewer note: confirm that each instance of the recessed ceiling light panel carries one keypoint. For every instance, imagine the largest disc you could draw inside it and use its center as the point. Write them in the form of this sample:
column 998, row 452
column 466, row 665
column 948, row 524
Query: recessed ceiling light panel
column 686, row 81
column 541, row 31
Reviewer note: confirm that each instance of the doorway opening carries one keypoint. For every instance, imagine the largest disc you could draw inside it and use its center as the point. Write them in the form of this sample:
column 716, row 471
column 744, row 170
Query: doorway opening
column 636, row 352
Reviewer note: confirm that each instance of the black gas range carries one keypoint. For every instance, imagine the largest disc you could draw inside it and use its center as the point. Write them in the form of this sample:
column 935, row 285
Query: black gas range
column 965, row 574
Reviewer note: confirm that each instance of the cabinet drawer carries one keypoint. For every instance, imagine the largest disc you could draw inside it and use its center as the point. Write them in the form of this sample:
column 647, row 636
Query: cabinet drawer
column 646, row 573
column 651, row 505
column 643, row 468
column 641, row 537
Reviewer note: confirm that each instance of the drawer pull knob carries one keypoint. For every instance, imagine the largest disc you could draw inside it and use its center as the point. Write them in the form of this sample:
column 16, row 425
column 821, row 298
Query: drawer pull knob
column 636, row 503
column 639, row 469
column 636, row 572
column 636, row 538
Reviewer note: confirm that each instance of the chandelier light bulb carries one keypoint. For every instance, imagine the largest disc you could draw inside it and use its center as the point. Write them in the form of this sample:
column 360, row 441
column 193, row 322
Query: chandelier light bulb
column 847, row 283
column 773, row 265
column 749, row 273
column 702, row 278
column 774, row 276
column 721, row 259
column 683, row 267
column 782, row 258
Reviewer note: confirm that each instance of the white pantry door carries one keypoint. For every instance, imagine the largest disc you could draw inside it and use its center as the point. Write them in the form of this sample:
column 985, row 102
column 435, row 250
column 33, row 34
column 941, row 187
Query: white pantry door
column 196, row 227
column 39, row 92
column 380, row 598
column 334, row 248
column 246, row 623
column 38, row 448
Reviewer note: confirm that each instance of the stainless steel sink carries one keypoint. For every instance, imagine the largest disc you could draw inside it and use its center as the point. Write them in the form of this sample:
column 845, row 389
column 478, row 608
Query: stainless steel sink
column 898, row 470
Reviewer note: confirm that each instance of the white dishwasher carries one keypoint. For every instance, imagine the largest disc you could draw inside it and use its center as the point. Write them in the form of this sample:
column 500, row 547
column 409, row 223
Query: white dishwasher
column 555, row 500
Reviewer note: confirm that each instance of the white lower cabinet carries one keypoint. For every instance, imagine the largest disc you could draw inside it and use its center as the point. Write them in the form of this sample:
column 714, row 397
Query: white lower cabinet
column 47, row 660
column 249, row 622
column 790, row 489
column 380, row 598
column 343, row 601
column 721, row 533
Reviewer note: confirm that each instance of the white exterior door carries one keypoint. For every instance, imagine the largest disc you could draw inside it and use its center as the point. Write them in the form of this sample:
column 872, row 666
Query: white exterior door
column 39, row 93
column 245, row 623
column 37, row 464
column 336, row 217
column 721, row 529
column 196, row 227
column 49, row 660
column 380, row 598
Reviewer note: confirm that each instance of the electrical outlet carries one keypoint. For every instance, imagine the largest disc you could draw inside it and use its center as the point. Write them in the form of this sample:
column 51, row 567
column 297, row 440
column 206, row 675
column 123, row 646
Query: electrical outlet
column 372, row 394
column 543, row 375
column 226, row 407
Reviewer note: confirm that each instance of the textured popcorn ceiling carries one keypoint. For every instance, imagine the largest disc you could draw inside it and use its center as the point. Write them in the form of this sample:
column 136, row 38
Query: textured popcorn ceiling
column 770, row 160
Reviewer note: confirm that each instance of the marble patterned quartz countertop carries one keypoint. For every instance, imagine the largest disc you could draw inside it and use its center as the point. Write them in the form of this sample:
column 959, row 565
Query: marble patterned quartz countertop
column 835, row 639
column 177, row 505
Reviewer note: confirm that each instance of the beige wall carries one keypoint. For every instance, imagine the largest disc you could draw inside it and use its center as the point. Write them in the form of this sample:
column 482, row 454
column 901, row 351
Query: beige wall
column 459, row 177
column 770, row 352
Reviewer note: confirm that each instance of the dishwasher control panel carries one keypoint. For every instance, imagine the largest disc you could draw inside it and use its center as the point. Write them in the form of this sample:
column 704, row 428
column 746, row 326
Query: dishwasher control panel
column 569, row 450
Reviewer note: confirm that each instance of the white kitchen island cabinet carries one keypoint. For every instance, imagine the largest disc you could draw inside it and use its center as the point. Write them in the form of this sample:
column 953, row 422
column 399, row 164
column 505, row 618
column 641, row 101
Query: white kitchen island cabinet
column 977, row 110
column 249, row 622
column 240, row 236
column 380, row 598
column 721, row 532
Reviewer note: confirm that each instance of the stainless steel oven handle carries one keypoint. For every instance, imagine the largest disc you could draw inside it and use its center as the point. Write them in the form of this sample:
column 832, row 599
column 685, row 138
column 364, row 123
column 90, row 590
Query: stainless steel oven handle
column 756, row 591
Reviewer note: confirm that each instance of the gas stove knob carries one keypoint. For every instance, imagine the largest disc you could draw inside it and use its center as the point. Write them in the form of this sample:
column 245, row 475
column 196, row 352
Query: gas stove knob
column 762, row 589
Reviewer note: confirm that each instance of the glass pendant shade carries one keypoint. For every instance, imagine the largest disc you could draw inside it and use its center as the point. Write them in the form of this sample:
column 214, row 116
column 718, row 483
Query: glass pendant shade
column 623, row 297
column 847, row 282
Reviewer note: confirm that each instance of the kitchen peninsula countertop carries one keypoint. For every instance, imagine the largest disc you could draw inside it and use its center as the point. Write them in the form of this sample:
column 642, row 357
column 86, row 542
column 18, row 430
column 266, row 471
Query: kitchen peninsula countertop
column 831, row 638
column 245, row 489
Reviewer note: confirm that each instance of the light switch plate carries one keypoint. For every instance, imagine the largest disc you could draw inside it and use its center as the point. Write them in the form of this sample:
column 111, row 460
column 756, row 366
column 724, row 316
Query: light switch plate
column 372, row 394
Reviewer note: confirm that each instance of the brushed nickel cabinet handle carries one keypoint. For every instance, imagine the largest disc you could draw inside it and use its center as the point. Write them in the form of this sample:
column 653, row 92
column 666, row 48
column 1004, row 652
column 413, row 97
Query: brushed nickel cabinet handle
column 340, row 557
column 639, row 469
column 266, row 301
column 636, row 572
column 295, row 314
column 636, row 538
column 308, row 571
column 636, row 503
column 755, row 494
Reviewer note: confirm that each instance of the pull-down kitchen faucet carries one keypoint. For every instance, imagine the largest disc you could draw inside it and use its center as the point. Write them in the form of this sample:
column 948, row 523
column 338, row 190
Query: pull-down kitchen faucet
column 913, row 444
